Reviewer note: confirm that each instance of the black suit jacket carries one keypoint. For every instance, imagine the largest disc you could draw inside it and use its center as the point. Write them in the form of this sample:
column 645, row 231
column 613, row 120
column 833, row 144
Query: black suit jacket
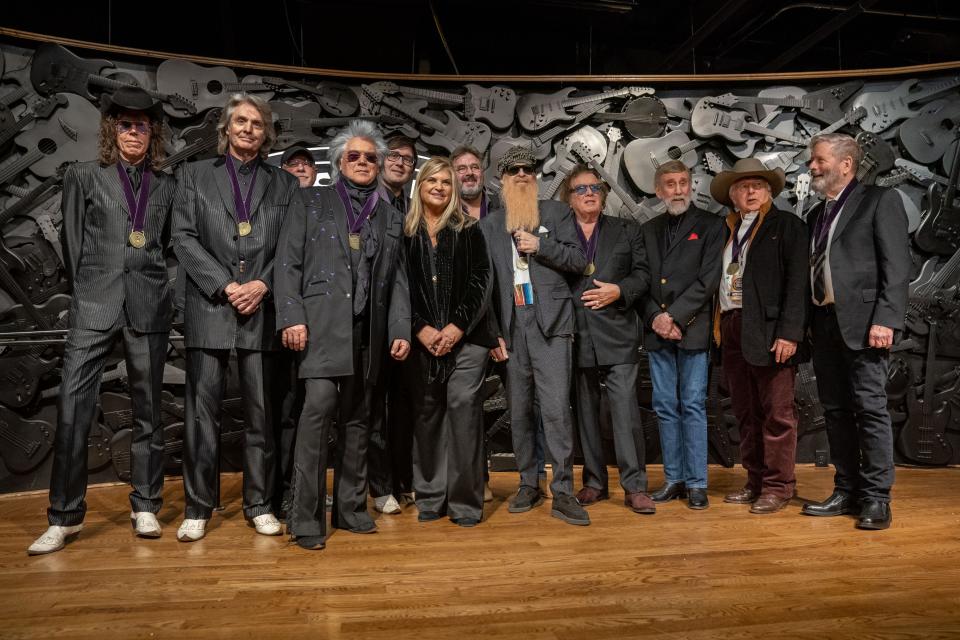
column 105, row 271
column 210, row 251
column 614, row 330
column 683, row 279
column 776, row 287
column 869, row 262
column 559, row 252
column 313, row 284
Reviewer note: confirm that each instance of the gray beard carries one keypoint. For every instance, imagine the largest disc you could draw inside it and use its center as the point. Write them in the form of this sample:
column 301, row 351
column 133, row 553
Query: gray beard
column 675, row 208
column 825, row 183
column 469, row 193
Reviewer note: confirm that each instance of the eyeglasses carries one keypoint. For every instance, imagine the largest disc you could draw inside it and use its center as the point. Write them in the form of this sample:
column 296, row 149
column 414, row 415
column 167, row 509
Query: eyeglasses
column 581, row 189
column 298, row 162
column 396, row 156
column 463, row 168
column 751, row 185
column 369, row 156
column 514, row 170
column 126, row 125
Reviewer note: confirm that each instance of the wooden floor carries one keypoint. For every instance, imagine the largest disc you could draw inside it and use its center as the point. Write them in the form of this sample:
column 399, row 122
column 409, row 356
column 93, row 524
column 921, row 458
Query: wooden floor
column 719, row 573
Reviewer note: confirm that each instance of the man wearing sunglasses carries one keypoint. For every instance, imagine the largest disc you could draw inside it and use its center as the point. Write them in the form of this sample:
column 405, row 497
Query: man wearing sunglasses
column 114, row 236
column 607, row 339
column 226, row 222
column 532, row 245
column 343, row 301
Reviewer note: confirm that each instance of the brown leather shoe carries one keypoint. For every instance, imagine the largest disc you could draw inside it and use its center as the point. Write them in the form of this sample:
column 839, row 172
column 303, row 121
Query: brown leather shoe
column 589, row 495
column 640, row 503
column 745, row 495
column 769, row 503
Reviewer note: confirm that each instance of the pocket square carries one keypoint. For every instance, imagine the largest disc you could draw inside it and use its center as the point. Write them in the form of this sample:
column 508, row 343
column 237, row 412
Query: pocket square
column 543, row 229
column 693, row 236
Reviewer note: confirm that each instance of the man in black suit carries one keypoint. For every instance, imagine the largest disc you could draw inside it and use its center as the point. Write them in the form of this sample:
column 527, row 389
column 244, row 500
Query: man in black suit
column 532, row 245
column 859, row 269
column 607, row 339
column 759, row 323
column 226, row 222
column 343, row 301
column 683, row 249
column 115, row 233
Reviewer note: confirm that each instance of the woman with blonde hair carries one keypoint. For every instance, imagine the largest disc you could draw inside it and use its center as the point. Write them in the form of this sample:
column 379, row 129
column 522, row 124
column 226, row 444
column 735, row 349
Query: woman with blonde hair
column 448, row 273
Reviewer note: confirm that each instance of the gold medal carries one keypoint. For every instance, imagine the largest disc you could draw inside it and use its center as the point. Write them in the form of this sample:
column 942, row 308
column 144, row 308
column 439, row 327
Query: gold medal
column 589, row 271
column 355, row 241
column 244, row 228
column 137, row 239
column 522, row 263
column 733, row 268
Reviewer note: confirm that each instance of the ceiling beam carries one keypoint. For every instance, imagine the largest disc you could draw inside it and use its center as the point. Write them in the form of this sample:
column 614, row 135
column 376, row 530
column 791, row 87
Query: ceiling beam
column 713, row 23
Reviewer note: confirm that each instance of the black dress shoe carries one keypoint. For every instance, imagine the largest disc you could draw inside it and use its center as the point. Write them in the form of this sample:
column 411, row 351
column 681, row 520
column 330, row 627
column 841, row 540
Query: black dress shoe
column 428, row 516
column 837, row 504
column 311, row 543
column 875, row 515
column 669, row 491
column 465, row 522
column 697, row 499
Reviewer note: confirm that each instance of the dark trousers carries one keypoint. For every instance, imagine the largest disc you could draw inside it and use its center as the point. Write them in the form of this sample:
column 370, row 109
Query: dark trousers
column 762, row 399
column 287, row 402
column 84, row 356
column 347, row 400
column 621, row 383
column 206, row 379
column 448, row 435
column 391, row 431
column 538, row 372
column 852, row 386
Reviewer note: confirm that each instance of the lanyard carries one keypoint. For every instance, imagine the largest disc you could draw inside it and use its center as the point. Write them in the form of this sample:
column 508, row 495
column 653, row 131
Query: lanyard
column 242, row 204
column 137, row 205
column 355, row 221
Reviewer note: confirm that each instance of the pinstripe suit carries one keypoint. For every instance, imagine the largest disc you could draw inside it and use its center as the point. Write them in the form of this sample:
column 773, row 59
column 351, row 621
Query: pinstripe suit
column 212, row 255
column 117, row 290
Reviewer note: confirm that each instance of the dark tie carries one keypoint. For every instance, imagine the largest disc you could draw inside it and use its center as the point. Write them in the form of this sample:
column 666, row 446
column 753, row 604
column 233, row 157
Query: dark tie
column 134, row 174
column 820, row 250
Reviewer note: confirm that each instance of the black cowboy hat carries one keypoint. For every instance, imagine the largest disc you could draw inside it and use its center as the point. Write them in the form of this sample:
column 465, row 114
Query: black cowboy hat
column 131, row 99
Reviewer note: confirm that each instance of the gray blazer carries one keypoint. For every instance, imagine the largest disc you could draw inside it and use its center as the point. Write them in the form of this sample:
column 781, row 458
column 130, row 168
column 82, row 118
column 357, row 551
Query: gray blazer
column 313, row 284
column 559, row 252
column 210, row 252
column 105, row 271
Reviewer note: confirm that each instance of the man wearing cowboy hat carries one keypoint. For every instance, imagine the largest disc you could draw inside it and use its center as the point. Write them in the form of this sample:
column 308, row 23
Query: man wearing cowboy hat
column 759, row 323
column 115, row 234
column 532, row 244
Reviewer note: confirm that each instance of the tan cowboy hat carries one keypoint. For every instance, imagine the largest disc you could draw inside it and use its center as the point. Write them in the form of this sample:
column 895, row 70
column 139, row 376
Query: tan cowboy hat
column 746, row 168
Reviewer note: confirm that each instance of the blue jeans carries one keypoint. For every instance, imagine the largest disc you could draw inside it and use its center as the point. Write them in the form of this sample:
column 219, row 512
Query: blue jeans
column 679, row 397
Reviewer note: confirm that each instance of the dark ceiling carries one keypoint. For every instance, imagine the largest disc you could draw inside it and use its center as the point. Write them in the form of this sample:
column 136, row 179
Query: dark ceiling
column 542, row 37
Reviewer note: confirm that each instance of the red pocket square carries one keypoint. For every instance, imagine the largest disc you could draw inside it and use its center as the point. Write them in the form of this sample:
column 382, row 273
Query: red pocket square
column 693, row 236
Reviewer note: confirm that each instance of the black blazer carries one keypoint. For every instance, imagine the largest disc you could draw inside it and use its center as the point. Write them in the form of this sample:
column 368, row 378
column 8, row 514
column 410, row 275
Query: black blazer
column 683, row 279
column 105, row 271
column 776, row 288
column 210, row 250
column 559, row 252
column 313, row 284
column 614, row 330
column 869, row 262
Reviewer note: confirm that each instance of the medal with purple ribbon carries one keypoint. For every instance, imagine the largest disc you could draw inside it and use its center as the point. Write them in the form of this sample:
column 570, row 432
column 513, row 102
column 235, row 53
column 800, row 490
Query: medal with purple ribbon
column 355, row 221
column 738, row 244
column 242, row 204
column 136, row 205
column 590, row 246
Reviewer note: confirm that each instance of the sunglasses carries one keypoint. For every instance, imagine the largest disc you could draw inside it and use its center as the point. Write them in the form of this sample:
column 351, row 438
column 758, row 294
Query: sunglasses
column 514, row 170
column 354, row 156
column 396, row 156
column 581, row 189
column 124, row 126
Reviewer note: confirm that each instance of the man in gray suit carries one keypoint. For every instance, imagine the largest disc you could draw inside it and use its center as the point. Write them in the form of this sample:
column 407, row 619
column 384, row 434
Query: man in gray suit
column 226, row 222
column 343, row 301
column 114, row 235
column 532, row 245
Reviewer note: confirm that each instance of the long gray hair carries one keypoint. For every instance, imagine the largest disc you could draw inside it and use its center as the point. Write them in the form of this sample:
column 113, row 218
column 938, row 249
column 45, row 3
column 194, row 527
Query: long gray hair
column 356, row 129
column 266, row 113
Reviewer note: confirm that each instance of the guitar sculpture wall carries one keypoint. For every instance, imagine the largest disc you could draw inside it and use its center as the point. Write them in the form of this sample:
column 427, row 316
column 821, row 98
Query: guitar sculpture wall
column 49, row 116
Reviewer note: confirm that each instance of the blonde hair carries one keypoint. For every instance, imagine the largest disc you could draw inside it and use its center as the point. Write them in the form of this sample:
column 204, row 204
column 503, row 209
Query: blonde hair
column 453, row 216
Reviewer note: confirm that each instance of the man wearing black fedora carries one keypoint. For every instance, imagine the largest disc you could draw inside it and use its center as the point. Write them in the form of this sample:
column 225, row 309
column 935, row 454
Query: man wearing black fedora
column 116, row 212
column 760, row 317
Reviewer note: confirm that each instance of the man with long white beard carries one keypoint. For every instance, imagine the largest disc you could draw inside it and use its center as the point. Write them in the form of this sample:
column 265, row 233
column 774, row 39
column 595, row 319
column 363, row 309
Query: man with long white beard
column 684, row 250
column 531, row 245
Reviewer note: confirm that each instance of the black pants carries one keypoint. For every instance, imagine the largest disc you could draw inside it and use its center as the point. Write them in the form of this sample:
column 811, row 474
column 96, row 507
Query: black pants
column 391, row 431
column 286, row 398
column 852, row 386
column 84, row 356
column 448, row 457
column 206, row 379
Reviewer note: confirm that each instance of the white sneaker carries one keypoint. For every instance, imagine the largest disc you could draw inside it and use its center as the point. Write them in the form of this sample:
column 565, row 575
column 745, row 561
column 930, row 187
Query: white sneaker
column 53, row 539
column 145, row 524
column 386, row 504
column 487, row 492
column 328, row 502
column 191, row 530
column 267, row 525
